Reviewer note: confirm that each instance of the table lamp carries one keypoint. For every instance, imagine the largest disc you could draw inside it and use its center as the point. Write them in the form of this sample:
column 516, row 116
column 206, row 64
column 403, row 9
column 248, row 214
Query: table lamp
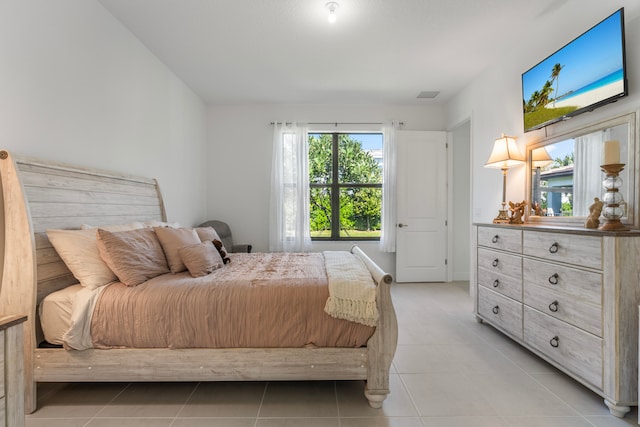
column 539, row 159
column 505, row 155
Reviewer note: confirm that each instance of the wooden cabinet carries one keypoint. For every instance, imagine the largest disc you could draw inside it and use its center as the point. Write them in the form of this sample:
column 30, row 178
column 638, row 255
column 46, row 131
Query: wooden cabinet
column 11, row 371
column 570, row 295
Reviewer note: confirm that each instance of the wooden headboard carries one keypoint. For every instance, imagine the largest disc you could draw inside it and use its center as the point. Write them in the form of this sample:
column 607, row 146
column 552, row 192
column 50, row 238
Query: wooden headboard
column 39, row 195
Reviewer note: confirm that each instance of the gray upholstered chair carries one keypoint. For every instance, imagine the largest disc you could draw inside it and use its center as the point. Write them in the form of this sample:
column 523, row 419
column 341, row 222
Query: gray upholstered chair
column 223, row 230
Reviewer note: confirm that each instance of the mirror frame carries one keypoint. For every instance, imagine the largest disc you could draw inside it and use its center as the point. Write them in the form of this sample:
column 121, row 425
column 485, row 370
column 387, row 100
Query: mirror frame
column 632, row 218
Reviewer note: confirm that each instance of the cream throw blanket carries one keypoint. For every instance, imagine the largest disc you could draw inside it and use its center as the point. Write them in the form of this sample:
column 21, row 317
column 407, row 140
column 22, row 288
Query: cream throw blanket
column 352, row 291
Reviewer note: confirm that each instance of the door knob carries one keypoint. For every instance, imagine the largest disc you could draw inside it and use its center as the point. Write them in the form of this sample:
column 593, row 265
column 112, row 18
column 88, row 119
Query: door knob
column 402, row 225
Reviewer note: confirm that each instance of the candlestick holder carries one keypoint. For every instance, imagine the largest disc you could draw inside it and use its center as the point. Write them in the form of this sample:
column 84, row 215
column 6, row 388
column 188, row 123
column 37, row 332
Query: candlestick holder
column 612, row 199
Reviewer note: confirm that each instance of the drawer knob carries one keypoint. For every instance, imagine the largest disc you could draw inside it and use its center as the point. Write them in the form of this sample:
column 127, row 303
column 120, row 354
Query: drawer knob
column 553, row 306
column 495, row 239
column 495, row 309
column 495, row 262
column 496, row 283
column 554, row 248
column 554, row 342
column 553, row 279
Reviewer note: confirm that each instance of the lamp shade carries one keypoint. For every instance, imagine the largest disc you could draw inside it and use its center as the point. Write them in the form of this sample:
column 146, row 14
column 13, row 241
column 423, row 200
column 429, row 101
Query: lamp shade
column 540, row 158
column 505, row 154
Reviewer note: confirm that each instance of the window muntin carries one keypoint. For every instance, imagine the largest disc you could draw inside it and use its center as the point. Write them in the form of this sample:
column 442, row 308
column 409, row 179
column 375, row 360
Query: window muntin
column 345, row 175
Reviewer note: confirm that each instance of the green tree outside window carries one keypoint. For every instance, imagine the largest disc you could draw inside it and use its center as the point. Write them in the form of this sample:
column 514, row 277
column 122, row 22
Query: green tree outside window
column 346, row 186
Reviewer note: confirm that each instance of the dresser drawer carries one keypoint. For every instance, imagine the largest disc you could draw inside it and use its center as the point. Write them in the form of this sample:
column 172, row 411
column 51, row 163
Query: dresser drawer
column 500, row 272
column 565, row 307
column 500, row 238
column 566, row 248
column 500, row 311
column 576, row 350
column 581, row 284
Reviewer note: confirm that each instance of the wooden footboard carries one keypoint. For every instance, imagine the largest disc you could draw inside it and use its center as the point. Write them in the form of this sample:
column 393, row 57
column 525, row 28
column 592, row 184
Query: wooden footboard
column 381, row 347
column 38, row 195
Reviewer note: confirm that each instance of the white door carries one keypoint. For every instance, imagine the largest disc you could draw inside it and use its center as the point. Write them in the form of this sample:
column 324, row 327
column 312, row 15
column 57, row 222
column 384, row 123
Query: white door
column 421, row 244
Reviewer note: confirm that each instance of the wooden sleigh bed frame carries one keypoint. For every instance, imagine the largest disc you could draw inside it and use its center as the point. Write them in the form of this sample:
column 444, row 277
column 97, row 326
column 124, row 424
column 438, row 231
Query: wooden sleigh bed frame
column 40, row 195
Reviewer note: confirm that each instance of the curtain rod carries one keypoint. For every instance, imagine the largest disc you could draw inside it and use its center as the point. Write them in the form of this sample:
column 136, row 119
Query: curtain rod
column 342, row 123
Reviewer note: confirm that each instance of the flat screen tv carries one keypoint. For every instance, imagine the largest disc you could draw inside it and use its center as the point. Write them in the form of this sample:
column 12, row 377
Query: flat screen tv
column 586, row 73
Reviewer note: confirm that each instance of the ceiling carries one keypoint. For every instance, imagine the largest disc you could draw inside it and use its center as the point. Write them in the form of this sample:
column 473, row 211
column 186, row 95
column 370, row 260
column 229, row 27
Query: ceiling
column 286, row 51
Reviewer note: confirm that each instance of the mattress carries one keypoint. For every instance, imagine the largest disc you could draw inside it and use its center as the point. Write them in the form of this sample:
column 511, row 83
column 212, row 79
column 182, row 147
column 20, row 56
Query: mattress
column 55, row 313
column 258, row 300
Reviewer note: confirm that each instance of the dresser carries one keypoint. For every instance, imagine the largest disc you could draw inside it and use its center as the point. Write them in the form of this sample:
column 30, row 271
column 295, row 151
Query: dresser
column 12, row 371
column 570, row 295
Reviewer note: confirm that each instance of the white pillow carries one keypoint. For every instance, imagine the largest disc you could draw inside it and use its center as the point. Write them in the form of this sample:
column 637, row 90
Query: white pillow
column 79, row 251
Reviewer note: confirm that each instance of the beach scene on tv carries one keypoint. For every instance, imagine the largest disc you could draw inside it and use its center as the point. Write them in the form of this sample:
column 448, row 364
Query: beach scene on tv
column 585, row 72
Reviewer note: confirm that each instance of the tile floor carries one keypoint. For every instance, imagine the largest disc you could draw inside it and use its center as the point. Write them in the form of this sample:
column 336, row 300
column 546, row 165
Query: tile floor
column 449, row 371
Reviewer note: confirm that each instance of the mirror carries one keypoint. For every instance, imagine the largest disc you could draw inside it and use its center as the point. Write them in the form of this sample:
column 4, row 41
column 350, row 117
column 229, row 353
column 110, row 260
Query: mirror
column 566, row 176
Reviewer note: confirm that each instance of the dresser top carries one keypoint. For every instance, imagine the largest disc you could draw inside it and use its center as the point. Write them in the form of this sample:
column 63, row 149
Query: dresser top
column 8, row 321
column 563, row 229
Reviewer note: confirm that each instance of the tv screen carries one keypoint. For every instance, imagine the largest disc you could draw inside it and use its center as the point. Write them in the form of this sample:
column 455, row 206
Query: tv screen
column 587, row 73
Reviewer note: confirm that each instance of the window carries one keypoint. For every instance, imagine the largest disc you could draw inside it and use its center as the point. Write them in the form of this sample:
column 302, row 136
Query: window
column 345, row 180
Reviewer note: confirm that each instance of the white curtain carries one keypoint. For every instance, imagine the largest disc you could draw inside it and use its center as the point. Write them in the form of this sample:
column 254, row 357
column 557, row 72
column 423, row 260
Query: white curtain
column 587, row 182
column 289, row 213
column 388, row 232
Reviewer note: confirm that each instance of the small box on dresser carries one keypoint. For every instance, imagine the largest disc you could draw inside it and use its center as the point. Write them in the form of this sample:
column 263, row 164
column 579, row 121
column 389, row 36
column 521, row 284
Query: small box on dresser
column 12, row 371
column 570, row 295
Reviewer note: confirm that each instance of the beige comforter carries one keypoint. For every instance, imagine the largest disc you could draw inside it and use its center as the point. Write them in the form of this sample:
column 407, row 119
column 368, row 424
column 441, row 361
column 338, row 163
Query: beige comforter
column 258, row 300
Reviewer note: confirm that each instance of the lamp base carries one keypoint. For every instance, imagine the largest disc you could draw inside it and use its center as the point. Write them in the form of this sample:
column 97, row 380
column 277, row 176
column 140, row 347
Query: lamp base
column 613, row 225
column 502, row 217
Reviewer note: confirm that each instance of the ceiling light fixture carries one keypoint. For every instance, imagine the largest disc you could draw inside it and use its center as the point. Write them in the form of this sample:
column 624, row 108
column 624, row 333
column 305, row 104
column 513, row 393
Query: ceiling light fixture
column 332, row 6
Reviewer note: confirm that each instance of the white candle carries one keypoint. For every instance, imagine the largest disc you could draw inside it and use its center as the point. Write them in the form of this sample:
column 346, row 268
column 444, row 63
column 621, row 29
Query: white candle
column 611, row 152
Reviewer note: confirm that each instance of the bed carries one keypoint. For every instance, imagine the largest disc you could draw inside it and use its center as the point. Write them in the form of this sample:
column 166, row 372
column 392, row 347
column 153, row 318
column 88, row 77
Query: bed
column 41, row 195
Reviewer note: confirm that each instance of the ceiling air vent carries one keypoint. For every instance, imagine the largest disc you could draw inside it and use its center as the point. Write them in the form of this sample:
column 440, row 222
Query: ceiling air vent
column 429, row 94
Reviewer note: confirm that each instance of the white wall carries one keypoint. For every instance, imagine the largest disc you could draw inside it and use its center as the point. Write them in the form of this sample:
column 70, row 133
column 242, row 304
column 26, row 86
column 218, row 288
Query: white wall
column 77, row 87
column 239, row 160
column 494, row 98
column 460, row 138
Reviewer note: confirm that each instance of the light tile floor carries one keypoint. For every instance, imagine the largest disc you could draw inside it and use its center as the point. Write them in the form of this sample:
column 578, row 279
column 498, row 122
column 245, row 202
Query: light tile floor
column 449, row 371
